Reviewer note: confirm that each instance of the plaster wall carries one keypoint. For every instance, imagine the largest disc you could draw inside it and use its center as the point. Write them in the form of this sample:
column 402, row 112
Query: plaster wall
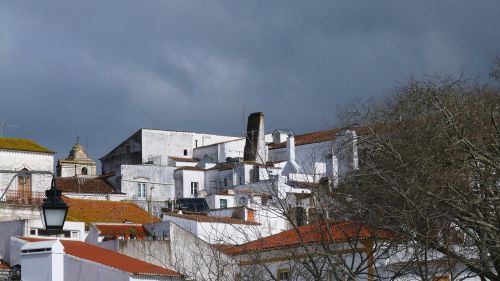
column 158, row 143
column 213, row 201
column 184, row 178
column 40, row 164
column 152, row 251
column 312, row 158
column 197, row 259
column 213, row 232
column 77, row 269
column 159, row 182
column 14, row 211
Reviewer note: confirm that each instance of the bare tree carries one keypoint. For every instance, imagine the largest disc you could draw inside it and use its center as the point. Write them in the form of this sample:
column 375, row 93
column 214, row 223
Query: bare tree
column 429, row 170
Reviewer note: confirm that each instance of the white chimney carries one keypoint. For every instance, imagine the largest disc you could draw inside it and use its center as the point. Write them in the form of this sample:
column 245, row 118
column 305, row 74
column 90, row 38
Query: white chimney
column 290, row 148
column 291, row 166
column 42, row 260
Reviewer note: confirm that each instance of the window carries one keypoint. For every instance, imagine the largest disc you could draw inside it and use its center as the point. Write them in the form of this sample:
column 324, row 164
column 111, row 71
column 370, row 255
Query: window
column 223, row 203
column 225, row 182
column 185, row 152
column 75, row 234
column 141, row 190
column 283, row 274
column 33, row 231
column 84, row 171
column 194, row 188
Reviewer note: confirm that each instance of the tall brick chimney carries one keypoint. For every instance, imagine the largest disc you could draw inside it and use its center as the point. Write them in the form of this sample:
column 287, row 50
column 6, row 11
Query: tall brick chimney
column 255, row 146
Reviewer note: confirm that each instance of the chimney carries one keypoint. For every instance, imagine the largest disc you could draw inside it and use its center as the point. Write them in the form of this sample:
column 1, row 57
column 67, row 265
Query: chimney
column 255, row 146
column 291, row 166
column 290, row 148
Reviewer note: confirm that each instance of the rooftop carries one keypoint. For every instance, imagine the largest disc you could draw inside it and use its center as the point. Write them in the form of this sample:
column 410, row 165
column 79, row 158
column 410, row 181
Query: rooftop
column 85, row 185
column 316, row 233
column 213, row 219
column 23, row 145
column 314, row 137
column 112, row 229
column 88, row 211
column 109, row 258
column 183, row 159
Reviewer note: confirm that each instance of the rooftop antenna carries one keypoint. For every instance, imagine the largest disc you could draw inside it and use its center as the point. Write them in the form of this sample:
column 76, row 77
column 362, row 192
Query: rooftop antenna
column 4, row 124
column 243, row 121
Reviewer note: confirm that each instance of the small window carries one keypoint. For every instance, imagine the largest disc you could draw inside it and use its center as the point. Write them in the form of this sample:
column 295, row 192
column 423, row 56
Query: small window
column 75, row 234
column 194, row 188
column 185, row 152
column 141, row 190
column 33, row 232
column 225, row 182
column 223, row 203
column 283, row 274
column 84, row 171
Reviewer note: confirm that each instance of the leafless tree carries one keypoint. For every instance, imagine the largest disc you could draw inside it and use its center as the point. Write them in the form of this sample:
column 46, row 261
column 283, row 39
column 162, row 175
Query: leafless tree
column 429, row 171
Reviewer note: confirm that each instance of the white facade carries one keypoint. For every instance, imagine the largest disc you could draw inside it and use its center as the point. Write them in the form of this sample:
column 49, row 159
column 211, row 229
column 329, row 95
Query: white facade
column 331, row 158
column 48, row 261
column 24, row 170
column 218, row 232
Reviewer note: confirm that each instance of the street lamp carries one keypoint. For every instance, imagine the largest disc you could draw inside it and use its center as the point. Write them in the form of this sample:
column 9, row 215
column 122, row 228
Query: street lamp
column 54, row 209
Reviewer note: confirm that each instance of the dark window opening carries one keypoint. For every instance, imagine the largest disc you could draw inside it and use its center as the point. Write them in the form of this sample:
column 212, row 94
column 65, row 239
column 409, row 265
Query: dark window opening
column 185, row 152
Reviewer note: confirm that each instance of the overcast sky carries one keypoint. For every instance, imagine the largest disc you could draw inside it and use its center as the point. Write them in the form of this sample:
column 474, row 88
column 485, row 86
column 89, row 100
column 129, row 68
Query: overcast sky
column 104, row 69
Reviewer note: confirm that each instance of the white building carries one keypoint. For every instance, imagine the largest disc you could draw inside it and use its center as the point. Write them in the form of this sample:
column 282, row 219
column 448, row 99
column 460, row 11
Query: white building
column 26, row 170
column 142, row 166
column 58, row 260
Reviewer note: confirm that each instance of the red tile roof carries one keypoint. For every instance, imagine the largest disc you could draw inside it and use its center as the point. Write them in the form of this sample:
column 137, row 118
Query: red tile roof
column 121, row 229
column 309, row 138
column 88, row 211
column 215, row 219
column 110, row 258
column 23, row 145
column 85, row 185
column 320, row 232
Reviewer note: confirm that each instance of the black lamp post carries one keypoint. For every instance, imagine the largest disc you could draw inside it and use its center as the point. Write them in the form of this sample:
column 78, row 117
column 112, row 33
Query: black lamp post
column 54, row 209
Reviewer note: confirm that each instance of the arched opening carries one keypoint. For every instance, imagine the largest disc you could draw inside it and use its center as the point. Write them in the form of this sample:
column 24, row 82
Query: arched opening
column 84, row 171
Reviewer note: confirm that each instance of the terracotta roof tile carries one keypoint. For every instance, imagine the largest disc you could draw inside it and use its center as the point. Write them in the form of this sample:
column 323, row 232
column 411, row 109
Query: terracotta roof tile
column 106, row 211
column 315, row 137
column 215, row 219
column 110, row 258
column 121, row 229
column 23, row 145
column 85, row 185
column 320, row 232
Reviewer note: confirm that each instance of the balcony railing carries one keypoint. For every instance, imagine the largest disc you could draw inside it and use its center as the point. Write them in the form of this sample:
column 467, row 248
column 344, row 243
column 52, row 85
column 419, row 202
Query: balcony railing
column 24, row 197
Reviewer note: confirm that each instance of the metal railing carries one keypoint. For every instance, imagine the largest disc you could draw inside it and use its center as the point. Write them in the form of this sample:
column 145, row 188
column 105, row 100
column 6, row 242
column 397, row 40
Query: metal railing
column 24, row 197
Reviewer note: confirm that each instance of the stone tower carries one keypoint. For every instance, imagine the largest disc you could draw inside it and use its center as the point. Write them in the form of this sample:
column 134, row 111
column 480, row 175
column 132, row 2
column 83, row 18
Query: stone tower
column 76, row 164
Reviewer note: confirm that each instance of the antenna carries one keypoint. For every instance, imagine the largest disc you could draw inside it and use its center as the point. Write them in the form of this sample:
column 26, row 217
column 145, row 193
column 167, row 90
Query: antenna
column 4, row 124
column 243, row 121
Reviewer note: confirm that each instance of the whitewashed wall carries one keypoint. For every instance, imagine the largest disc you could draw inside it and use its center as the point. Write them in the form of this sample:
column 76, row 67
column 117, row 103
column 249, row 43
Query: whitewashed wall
column 32, row 161
column 183, row 180
column 159, row 177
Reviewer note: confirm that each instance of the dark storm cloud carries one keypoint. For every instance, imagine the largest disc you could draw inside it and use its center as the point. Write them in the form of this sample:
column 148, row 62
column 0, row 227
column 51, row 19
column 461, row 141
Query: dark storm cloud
column 102, row 70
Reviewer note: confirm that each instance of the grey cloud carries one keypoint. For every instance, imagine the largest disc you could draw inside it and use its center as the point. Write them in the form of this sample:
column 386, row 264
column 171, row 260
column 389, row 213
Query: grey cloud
column 103, row 69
